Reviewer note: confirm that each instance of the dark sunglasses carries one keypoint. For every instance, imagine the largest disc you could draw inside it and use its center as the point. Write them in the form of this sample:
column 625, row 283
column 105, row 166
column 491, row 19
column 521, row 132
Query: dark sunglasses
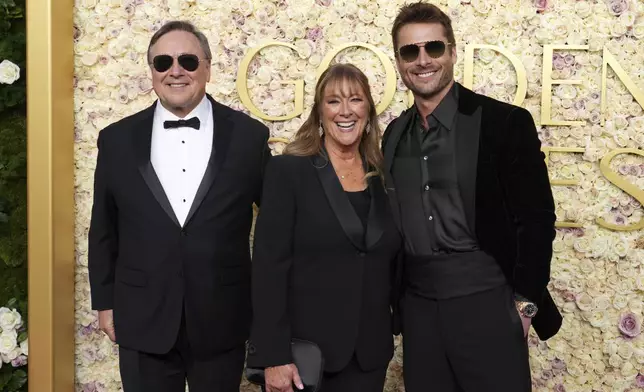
column 163, row 62
column 434, row 49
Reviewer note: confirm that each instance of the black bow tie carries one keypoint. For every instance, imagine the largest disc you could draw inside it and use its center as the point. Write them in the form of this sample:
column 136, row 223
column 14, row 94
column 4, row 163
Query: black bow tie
column 191, row 122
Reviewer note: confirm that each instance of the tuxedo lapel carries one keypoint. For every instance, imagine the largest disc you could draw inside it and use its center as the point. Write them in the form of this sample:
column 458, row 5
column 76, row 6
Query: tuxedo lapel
column 398, row 128
column 377, row 211
column 340, row 203
column 222, row 133
column 142, row 135
column 468, row 130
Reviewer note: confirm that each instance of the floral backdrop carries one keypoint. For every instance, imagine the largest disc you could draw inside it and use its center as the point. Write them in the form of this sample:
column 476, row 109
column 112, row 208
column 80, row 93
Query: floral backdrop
column 597, row 273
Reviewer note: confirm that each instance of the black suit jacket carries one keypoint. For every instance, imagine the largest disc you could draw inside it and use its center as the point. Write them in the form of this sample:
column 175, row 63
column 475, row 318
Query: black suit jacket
column 506, row 192
column 316, row 276
column 146, row 267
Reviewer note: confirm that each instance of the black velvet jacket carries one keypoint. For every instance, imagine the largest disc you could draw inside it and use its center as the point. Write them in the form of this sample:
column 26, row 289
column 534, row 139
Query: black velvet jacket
column 506, row 193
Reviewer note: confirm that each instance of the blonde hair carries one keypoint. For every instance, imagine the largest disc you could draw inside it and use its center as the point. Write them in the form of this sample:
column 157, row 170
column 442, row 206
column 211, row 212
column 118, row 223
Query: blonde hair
column 308, row 141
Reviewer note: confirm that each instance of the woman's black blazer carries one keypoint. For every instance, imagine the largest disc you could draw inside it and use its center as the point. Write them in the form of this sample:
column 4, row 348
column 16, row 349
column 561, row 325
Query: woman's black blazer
column 315, row 274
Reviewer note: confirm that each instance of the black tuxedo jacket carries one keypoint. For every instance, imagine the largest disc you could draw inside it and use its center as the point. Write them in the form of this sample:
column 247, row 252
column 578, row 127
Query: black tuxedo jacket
column 316, row 275
column 506, row 193
column 146, row 267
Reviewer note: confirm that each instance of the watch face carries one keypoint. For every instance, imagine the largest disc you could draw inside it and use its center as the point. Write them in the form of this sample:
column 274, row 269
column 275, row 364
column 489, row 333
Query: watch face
column 530, row 310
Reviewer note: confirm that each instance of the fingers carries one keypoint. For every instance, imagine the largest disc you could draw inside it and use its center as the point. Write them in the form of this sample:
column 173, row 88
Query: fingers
column 110, row 333
column 296, row 378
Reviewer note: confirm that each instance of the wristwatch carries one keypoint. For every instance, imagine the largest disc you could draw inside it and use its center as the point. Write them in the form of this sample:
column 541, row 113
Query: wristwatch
column 527, row 309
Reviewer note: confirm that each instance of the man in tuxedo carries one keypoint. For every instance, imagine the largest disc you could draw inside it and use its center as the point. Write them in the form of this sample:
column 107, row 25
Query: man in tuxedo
column 470, row 192
column 169, row 255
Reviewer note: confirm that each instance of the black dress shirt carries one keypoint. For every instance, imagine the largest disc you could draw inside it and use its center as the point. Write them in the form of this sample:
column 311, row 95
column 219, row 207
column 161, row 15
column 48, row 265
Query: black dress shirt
column 426, row 168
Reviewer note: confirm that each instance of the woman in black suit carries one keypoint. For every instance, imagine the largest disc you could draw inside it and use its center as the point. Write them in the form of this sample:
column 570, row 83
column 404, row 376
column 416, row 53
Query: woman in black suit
column 326, row 247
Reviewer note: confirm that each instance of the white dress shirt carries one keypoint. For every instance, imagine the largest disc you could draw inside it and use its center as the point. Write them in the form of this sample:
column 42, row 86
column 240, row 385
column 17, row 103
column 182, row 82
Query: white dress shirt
column 180, row 155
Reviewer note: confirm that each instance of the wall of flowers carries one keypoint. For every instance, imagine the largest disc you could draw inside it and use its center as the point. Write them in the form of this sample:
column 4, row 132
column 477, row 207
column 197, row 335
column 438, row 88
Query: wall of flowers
column 597, row 273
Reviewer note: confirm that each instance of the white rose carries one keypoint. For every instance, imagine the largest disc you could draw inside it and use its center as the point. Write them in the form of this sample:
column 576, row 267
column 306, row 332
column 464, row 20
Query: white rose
column 584, row 302
column 9, row 319
column 24, row 347
column 9, row 72
column 8, row 341
column 628, row 370
column 602, row 303
column 583, row 9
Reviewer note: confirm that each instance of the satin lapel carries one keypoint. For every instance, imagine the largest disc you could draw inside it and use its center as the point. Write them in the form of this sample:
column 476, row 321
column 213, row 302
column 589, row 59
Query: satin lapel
column 377, row 211
column 222, row 132
column 393, row 139
column 399, row 127
column 468, row 129
column 142, row 138
column 339, row 202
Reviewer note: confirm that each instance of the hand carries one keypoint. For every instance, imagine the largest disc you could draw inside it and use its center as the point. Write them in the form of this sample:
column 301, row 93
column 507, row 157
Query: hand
column 282, row 378
column 106, row 323
column 526, row 322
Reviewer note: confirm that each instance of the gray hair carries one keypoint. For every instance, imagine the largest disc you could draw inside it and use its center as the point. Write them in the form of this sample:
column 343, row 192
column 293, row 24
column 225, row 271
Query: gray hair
column 181, row 25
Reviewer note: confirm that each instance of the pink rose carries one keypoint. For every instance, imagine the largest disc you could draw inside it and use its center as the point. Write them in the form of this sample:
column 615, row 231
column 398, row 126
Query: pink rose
column 21, row 360
column 629, row 325
column 324, row 3
column 558, row 61
column 617, row 7
column 639, row 381
column 559, row 388
column 541, row 5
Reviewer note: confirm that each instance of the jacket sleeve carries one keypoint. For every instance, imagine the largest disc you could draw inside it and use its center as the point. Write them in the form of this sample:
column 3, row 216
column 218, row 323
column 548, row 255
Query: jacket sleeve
column 103, row 236
column 270, row 342
column 266, row 156
column 528, row 197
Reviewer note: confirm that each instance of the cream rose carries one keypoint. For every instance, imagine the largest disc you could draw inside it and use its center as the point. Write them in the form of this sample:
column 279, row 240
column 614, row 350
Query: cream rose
column 9, row 72
column 8, row 341
column 9, row 319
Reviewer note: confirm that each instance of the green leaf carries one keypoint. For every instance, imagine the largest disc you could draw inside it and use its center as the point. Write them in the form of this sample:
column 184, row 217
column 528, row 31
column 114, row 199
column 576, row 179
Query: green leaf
column 18, row 379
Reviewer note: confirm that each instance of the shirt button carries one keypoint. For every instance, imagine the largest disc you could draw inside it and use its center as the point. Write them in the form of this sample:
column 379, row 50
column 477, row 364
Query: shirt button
column 184, row 200
column 426, row 187
column 425, row 157
column 431, row 217
column 184, row 170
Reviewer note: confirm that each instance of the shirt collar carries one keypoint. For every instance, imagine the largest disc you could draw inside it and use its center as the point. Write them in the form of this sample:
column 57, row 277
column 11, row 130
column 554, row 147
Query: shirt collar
column 446, row 110
column 200, row 111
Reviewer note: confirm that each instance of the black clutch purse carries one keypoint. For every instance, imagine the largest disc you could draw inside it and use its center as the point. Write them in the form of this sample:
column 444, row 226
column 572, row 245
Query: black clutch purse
column 309, row 361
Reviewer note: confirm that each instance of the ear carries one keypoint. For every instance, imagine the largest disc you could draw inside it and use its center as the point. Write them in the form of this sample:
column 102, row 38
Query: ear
column 454, row 56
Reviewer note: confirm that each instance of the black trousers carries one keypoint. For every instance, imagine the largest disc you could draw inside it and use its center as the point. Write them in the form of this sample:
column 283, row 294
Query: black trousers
column 473, row 343
column 352, row 379
column 143, row 372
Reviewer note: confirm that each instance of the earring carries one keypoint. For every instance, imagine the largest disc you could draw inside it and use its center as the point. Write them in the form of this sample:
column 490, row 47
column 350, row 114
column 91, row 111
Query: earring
column 321, row 130
column 367, row 128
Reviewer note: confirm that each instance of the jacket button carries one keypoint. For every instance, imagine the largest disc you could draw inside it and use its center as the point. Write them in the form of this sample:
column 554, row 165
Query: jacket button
column 251, row 349
column 184, row 233
column 361, row 254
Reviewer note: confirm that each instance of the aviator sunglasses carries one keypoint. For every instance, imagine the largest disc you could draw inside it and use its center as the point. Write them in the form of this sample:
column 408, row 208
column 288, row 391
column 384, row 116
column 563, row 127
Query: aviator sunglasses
column 163, row 62
column 434, row 49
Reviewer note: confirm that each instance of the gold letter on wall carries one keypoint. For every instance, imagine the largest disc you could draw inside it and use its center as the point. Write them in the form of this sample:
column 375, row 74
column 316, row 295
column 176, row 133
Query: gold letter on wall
column 622, row 184
column 390, row 71
column 522, row 79
column 242, row 87
column 547, row 151
column 547, row 82
column 609, row 59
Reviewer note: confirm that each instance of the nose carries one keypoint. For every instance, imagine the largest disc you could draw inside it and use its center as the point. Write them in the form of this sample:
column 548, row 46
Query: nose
column 345, row 108
column 176, row 69
column 423, row 57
